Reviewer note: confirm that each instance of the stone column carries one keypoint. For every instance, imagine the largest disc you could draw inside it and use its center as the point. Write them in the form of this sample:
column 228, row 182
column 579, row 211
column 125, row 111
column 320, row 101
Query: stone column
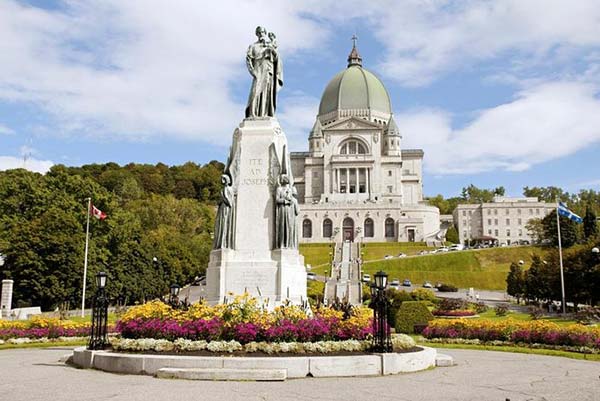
column 347, row 171
column 368, row 184
column 6, row 300
column 356, row 170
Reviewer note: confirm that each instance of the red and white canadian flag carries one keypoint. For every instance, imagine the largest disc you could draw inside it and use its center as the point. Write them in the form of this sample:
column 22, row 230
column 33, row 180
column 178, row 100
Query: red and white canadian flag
column 97, row 213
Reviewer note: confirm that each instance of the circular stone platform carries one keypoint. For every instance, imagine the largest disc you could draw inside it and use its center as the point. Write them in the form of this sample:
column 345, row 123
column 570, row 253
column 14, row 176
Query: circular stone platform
column 255, row 368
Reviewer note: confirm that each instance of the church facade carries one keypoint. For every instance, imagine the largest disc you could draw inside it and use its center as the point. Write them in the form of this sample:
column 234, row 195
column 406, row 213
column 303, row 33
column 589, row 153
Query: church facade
column 356, row 182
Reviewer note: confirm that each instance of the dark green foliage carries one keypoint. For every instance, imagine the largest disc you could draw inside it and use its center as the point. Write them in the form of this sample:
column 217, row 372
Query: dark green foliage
column 396, row 299
column 452, row 235
column 501, row 309
column 412, row 313
column 590, row 225
column 153, row 212
column 568, row 230
column 452, row 304
column 515, row 281
column 447, row 288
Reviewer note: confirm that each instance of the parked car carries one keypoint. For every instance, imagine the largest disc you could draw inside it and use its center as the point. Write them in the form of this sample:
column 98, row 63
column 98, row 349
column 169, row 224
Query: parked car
column 388, row 257
column 427, row 284
column 366, row 278
column 406, row 283
column 456, row 247
column 394, row 285
column 311, row 276
column 440, row 250
column 423, row 252
column 401, row 255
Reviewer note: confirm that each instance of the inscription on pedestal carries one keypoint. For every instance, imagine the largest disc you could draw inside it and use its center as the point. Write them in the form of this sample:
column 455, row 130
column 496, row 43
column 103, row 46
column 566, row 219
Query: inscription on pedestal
column 257, row 172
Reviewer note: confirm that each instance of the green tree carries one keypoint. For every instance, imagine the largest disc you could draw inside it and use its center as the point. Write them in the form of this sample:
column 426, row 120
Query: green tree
column 515, row 281
column 568, row 230
column 452, row 235
column 535, row 229
column 590, row 225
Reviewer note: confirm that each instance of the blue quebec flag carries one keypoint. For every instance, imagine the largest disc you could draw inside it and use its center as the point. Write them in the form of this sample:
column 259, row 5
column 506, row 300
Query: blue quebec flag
column 564, row 211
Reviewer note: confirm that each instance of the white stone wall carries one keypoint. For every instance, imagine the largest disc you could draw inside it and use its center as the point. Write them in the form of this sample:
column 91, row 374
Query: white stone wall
column 502, row 220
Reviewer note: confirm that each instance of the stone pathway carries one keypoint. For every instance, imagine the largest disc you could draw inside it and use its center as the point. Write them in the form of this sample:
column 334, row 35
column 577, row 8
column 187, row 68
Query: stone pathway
column 35, row 374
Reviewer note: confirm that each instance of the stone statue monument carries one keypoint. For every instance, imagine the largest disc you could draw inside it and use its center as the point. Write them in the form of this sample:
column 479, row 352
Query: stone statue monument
column 266, row 68
column 255, row 247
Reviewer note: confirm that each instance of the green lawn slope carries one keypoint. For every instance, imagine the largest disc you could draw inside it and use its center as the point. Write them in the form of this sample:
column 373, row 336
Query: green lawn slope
column 484, row 269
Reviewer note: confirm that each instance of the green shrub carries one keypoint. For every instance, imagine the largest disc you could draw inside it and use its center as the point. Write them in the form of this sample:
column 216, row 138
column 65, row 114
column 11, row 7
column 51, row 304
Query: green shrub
column 452, row 304
column 480, row 307
column 447, row 288
column 315, row 290
column 501, row 309
column 412, row 313
column 422, row 294
column 396, row 298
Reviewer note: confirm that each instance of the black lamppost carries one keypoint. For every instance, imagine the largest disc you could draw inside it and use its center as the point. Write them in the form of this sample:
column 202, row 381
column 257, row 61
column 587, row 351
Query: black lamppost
column 381, row 331
column 99, row 335
column 174, row 295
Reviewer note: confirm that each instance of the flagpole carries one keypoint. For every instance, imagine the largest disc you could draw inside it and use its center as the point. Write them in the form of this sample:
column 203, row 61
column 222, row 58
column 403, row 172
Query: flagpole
column 87, row 240
column 562, row 276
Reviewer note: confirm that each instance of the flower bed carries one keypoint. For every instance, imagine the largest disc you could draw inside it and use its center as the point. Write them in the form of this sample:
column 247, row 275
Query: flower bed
column 41, row 327
column 181, row 345
column 454, row 313
column 517, row 332
column 245, row 321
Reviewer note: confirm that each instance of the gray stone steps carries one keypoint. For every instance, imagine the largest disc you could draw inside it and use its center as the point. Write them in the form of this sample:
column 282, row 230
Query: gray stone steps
column 442, row 360
column 223, row 374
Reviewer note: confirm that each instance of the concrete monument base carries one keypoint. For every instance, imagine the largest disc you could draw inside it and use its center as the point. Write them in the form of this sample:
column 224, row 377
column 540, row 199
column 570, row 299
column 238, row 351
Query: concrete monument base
column 252, row 263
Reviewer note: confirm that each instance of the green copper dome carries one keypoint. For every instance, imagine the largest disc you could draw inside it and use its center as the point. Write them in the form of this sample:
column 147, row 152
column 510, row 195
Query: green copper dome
column 355, row 88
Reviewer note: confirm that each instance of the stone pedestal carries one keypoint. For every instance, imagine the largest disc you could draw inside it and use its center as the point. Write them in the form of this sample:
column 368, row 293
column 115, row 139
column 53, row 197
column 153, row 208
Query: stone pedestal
column 253, row 266
column 6, row 299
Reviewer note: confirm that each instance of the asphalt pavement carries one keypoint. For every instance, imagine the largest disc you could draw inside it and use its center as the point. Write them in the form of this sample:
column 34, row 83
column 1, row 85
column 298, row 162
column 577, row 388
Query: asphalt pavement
column 36, row 374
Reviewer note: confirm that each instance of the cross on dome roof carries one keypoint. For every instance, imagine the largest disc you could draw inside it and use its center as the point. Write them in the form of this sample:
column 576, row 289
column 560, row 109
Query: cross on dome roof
column 354, row 58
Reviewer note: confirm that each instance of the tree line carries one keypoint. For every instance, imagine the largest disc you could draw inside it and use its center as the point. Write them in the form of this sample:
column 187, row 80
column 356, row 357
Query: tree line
column 158, row 230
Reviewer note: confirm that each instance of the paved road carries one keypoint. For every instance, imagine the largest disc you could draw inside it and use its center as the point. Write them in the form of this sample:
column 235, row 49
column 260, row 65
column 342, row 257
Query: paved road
column 35, row 374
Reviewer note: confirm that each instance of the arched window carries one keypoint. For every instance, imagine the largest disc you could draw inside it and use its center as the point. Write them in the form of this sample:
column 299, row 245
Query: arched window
column 390, row 232
column 369, row 228
column 327, row 228
column 306, row 228
column 353, row 147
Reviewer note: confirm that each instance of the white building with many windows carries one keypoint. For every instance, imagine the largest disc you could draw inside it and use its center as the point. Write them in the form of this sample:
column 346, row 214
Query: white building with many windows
column 502, row 220
column 356, row 181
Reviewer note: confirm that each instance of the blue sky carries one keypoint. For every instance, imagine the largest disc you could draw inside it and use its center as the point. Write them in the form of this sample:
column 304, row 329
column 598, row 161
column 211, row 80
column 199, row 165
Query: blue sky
column 496, row 93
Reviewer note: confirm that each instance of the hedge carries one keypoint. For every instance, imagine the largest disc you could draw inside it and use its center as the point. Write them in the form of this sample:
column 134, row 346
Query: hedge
column 412, row 313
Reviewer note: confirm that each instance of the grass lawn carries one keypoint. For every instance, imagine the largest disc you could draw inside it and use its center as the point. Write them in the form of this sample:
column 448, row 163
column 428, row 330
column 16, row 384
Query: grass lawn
column 44, row 345
column 504, row 348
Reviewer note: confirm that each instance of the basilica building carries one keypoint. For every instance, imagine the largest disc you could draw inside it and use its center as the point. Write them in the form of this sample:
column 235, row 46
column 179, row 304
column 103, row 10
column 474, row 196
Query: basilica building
column 356, row 182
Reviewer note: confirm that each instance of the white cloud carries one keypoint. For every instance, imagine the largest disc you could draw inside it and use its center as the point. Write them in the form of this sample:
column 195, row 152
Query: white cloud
column 297, row 118
column 39, row 166
column 424, row 40
column 4, row 130
column 542, row 123
column 140, row 68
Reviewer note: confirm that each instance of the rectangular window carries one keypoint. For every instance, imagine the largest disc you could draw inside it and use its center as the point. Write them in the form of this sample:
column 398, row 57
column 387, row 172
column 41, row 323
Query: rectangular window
column 495, row 212
column 508, row 222
column 496, row 232
column 537, row 211
column 390, row 189
column 490, row 231
column 489, row 222
column 389, row 173
column 464, row 212
column 530, row 212
column 315, row 174
column 519, row 221
column 508, row 233
column 520, row 232
column 470, row 211
column 489, row 212
column 495, row 222
column 518, row 211
column 507, row 212
column 465, row 234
